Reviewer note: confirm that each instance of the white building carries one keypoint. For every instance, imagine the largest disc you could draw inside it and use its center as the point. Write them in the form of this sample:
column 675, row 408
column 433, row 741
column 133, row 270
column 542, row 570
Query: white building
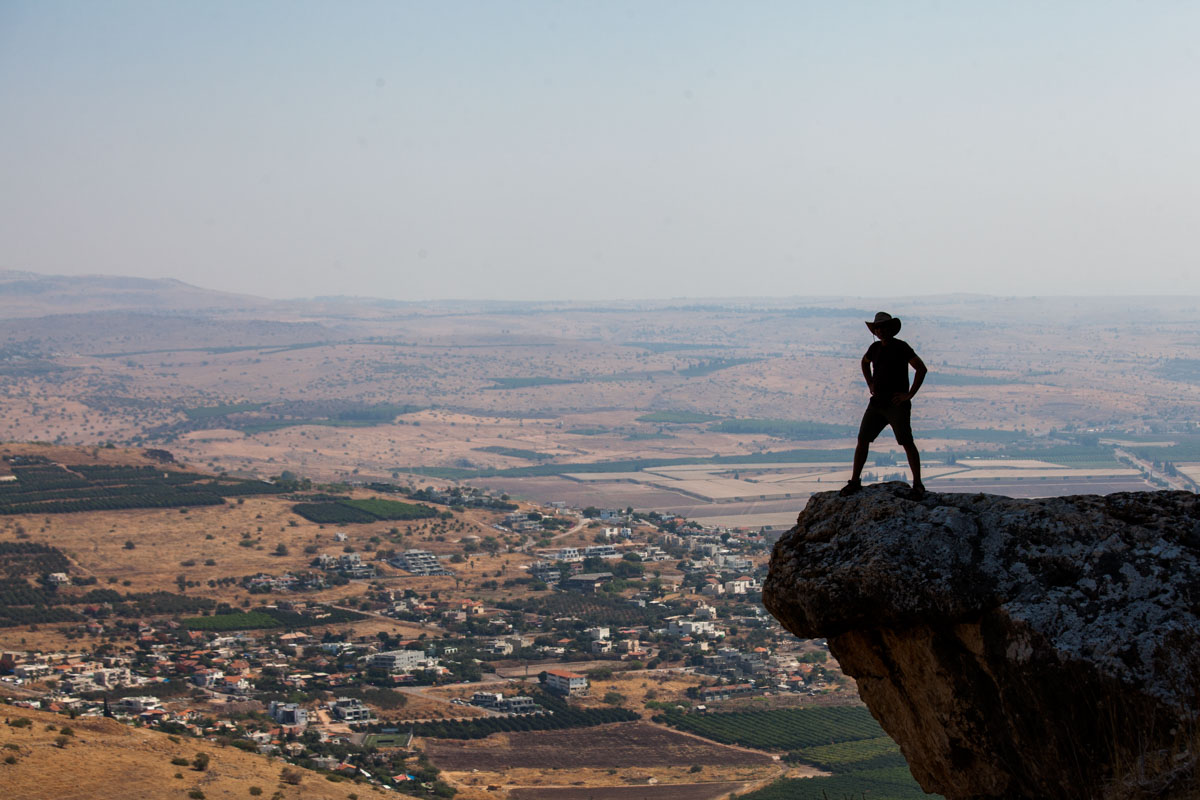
column 136, row 705
column 419, row 562
column 562, row 682
column 399, row 660
column 289, row 714
column 351, row 709
column 690, row 627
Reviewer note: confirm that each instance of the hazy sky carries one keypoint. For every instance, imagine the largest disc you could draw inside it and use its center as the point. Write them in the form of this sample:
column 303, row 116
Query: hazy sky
column 600, row 150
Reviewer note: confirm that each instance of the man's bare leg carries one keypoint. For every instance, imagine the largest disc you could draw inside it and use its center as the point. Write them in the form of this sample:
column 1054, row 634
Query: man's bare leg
column 860, row 460
column 914, row 464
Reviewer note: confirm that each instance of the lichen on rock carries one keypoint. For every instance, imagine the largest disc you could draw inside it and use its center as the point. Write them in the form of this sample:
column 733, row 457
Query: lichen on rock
column 1014, row 648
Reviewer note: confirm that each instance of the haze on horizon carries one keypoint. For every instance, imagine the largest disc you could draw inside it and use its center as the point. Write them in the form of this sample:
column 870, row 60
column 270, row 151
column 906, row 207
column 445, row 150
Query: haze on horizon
column 609, row 150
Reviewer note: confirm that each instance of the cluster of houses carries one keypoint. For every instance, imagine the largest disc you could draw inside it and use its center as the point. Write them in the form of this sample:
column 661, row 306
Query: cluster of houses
column 349, row 565
column 219, row 671
column 287, row 582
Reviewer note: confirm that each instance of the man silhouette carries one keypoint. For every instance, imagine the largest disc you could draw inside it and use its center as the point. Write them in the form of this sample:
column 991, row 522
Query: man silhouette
column 885, row 366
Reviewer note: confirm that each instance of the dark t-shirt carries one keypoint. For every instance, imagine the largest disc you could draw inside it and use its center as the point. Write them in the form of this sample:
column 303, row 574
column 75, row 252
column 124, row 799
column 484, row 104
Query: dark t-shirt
column 889, row 368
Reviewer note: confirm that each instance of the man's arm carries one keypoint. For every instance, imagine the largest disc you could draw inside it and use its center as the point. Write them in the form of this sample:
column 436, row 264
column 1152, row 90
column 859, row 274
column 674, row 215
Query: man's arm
column 920, row 369
column 866, row 368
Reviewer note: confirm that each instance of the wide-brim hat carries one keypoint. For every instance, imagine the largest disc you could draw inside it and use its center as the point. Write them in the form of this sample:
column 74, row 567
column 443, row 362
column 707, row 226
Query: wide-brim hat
column 884, row 323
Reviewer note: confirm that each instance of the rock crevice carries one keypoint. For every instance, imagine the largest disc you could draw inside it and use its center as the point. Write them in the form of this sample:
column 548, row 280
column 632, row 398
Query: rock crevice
column 1014, row 648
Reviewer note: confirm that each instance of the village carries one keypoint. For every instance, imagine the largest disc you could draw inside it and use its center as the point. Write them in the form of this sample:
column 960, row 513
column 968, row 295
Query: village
column 612, row 595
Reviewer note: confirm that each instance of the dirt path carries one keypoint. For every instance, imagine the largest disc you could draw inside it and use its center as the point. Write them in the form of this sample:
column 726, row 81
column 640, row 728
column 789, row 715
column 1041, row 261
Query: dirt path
column 399, row 623
column 583, row 523
column 768, row 754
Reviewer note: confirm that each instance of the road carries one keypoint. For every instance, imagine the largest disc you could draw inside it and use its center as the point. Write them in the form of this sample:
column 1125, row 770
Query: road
column 583, row 523
column 1178, row 482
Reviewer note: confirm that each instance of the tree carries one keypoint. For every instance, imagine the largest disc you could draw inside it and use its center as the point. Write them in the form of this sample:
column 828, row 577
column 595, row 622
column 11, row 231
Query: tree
column 200, row 762
column 281, row 549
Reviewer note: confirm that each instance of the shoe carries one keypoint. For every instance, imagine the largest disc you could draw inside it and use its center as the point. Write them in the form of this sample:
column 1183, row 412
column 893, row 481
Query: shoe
column 917, row 492
column 853, row 486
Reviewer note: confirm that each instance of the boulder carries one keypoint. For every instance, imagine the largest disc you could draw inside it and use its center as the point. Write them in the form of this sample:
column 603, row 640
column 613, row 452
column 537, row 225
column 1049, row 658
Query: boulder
column 1014, row 648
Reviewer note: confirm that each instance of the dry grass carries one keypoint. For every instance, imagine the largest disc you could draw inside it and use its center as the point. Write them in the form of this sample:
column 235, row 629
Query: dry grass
column 639, row 686
column 574, row 776
column 106, row 760
column 608, row 756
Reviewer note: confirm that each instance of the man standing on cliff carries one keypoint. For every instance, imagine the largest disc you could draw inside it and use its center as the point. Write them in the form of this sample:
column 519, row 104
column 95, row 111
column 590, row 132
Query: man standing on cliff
column 885, row 366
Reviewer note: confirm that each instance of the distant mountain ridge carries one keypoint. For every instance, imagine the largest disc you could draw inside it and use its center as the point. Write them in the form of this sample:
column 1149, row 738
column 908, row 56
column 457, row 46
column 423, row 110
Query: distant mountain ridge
column 31, row 294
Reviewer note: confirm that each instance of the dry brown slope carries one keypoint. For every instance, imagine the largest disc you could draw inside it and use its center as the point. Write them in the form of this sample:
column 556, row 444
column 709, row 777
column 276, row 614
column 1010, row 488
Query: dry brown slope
column 107, row 760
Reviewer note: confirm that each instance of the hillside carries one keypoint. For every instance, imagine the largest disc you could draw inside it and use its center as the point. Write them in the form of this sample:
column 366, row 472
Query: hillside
column 147, row 537
column 105, row 759
column 29, row 294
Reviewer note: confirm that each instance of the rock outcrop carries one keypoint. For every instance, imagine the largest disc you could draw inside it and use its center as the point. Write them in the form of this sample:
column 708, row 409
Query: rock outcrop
column 1014, row 648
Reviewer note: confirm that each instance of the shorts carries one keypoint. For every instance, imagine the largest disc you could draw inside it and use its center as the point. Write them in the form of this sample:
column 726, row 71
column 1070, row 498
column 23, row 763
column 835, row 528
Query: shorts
column 878, row 417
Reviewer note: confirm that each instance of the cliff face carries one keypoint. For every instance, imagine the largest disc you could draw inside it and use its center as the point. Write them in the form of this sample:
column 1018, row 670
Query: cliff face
column 1014, row 648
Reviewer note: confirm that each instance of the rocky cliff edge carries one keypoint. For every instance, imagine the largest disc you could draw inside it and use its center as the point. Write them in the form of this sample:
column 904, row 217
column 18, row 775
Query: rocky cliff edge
column 1043, row 648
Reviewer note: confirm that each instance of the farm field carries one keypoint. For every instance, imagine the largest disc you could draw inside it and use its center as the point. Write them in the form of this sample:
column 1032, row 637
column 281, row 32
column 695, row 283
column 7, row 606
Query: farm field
column 610, row 759
column 885, row 784
column 846, row 741
column 625, row 745
column 782, row 729
column 515, row 401
column 770, row 495
column 689, row 791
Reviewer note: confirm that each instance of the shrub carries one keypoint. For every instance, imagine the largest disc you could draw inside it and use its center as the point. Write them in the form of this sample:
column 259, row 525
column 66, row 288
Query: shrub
column 180, row 761
column 196, row 794
column 20, row 722
column 200, row 762
column 61, row 741
column 255, row 791
column 291, row 775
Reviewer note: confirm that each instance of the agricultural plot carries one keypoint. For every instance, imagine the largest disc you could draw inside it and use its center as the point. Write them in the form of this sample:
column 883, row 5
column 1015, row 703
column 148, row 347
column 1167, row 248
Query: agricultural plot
column 610, row 746
column 783, row 728
column 270, row 618
column 880, row 784
column 843, row 740
column 371, row 510
column 55, row 489
column 756, row 492
column 377, row 740
column 689, row 791
column 22, row 603
column 561, row 718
